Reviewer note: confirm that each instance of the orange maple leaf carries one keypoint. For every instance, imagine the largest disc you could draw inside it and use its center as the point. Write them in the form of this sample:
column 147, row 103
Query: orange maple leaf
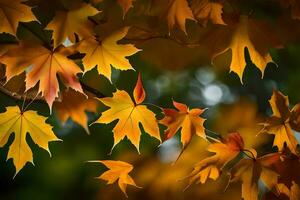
column 282, row 122
column 129, row 114
column 205, row 10
column 118, row 170
column 183, row 118
column 74, row 105
column 251, row 170
column 13, row 12
column 75, row 20
column 178, row 12
column 43, row 65
column 225, row 151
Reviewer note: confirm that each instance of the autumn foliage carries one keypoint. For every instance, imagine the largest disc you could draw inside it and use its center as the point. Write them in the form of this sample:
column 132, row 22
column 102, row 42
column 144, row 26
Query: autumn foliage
column 58, row 54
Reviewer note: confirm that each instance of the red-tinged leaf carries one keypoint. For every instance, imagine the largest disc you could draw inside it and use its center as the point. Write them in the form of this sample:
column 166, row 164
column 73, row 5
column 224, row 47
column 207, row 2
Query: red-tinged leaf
column 185, row 119
column 211, row 167
column 139, row 93
column 43, row 66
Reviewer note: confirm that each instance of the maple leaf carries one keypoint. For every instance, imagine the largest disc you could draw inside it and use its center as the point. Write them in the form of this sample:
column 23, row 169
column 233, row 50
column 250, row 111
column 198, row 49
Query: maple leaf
column 43, row 65
column 20, row 123
column 240, row 40
column 225, row 151
column 205, row 10
column 125, row 5
column 129, row 115
column 107, row 53
column 254, row 35
column 75, row 20
column 13, row 12
column 183, row 118
column 252, row 170
column 118, row 170
column 293, row 193
column 295, row 117
column 282, row 122
column 74, row 105
column 178, row 12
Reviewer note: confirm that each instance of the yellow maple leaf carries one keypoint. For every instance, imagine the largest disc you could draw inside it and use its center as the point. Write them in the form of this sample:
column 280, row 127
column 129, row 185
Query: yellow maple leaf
column 178, row 12
column 250, row 170
column 129, row 114
column 205, row 10
column 239, row 34
column 118, row 170
column 107, row 53
column 282, row 122
column 183, row 118
column 43, row 65
column 241, row 40
column 74, row 105
column 210, row 167
column 13, row 12
column 20, row 123
column 75, row 20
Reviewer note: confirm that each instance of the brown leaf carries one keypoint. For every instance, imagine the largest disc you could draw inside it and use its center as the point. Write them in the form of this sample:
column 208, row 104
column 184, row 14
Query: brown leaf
column 74, row 105
column 66, row 23
column 250, row 171
column 210, row 167
column 178, row 12
column 280, row 124
column 207, row 10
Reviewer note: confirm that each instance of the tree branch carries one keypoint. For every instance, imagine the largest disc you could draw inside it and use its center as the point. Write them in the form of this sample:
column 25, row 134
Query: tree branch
column 27, row 97
column 21, row 97
column 153, row 35
column 92, row 90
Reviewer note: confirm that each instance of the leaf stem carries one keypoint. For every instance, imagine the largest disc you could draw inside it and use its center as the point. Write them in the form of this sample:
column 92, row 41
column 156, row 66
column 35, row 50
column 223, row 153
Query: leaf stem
column 151, row 104
column 27, row 97
column 251, row 153
column 92, row 90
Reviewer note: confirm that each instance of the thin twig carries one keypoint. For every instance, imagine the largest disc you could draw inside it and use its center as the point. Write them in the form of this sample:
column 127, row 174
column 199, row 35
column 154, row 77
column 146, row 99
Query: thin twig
column 23, row 110
column 92, row 90
column 154, row 35
column 252, row 155
column 26, row 97
column 17, row 96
